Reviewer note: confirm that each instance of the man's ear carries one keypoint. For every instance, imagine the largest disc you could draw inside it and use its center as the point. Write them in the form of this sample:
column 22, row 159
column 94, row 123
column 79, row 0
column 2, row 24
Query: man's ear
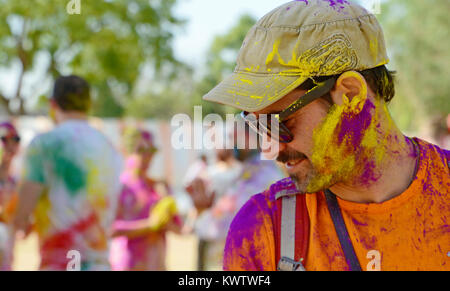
column 348, row 85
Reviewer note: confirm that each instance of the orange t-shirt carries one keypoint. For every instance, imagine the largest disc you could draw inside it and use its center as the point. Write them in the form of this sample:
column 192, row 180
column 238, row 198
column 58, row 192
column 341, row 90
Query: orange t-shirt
column 408, row 232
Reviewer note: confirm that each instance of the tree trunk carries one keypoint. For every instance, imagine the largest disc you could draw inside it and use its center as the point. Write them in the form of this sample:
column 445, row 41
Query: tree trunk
column 4, row 103
column 24, row 62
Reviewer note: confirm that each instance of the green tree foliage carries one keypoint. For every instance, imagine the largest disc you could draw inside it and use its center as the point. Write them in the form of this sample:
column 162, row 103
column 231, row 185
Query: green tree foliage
column 163, row 98
column 419, row 45
column 180, row 95
column 108, row 44
column 221, row 60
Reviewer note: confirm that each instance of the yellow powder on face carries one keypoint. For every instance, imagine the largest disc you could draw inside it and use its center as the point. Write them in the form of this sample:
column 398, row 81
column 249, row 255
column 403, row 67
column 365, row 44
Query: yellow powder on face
column 328, row 158
column 335, row 156
column 350, row 145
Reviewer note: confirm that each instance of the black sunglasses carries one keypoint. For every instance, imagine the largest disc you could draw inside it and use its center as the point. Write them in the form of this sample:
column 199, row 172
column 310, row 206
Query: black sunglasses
column 274, row 122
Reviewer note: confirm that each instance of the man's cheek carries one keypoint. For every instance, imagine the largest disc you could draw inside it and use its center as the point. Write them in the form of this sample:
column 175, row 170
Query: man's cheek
column 326, row 150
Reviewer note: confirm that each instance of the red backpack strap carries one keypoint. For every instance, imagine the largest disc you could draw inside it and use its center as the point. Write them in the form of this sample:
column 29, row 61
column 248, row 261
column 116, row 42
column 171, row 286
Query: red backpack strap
column 295, row 250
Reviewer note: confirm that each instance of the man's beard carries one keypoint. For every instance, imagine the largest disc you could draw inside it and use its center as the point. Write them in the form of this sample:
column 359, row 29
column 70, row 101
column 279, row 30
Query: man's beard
column 305, row 175
column 302, row 179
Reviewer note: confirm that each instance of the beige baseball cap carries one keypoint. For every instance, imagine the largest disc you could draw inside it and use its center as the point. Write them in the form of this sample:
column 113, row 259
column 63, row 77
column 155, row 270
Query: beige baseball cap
column 296, row 41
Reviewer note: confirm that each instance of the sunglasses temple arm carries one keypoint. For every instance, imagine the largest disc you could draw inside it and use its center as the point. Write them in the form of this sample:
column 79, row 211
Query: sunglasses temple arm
column 312, row 95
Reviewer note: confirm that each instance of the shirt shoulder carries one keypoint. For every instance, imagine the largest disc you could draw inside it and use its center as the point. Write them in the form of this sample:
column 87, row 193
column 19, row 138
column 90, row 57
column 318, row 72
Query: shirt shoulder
column 439, row 156
column 250, row 244
column 437, row 162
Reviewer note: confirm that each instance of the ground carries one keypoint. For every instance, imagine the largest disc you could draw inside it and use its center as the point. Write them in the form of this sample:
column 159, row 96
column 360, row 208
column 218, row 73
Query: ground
column 26, row 255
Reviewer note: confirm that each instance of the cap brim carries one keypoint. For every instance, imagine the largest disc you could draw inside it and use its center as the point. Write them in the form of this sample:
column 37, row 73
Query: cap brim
column 253, row 92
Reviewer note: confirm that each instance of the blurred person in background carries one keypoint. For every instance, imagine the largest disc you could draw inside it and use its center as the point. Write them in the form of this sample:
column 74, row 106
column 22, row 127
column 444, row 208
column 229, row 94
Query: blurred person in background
column 250, row 175
column 205, row 189
column 9, row 146
column 70, row 184
column 146, row 212
column 198, row 168
column 441, row 131
column 256, row 175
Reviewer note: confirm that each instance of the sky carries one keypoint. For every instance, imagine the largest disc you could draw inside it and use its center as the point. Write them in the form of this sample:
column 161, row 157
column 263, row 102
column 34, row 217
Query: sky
column 208, row 18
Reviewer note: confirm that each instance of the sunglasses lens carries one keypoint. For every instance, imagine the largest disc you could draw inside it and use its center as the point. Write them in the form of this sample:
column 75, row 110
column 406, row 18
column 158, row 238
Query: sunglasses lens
column 265, row 126
column 285, row 135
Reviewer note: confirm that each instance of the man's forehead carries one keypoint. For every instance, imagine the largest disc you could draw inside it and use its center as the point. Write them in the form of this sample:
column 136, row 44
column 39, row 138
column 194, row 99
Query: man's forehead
column 283, row 103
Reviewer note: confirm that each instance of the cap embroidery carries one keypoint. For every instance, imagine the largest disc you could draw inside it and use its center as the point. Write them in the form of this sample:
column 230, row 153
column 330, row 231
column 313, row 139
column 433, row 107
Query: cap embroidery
column 331, row 56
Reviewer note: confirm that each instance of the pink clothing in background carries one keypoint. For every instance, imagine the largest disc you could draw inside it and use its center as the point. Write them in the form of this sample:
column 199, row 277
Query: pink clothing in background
column 135, row 203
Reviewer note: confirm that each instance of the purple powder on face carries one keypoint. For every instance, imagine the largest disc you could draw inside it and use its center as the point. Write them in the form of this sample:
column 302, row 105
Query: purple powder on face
column 306, row 1
column 351, row 131
column 354, row 126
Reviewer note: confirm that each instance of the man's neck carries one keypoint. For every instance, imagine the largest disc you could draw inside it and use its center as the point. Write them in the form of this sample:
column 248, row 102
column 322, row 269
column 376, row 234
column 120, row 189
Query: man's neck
column 394, row 175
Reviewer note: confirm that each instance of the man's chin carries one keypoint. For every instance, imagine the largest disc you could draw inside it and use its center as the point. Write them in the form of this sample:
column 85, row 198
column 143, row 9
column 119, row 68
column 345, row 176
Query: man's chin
column 310, row 183
column 301, row 182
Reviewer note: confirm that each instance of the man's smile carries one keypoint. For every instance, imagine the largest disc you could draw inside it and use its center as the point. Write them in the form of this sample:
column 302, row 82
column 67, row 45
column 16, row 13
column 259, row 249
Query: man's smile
column 293, row 165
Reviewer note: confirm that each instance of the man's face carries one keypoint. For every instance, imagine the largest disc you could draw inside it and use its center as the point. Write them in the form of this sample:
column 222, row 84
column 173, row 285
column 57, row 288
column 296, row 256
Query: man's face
column 332, row 143
column 296, row 155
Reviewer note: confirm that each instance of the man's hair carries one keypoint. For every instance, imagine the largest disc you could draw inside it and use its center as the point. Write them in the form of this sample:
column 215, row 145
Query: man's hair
column 71, row 93
column 379, row 79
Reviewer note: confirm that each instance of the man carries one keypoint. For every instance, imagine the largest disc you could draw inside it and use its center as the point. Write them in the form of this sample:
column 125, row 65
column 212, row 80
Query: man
column 376, row 199
column 9, row 147
column 71, row 182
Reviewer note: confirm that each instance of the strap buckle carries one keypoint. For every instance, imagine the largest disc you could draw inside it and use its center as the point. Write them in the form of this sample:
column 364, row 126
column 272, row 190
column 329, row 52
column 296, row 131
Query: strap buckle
column 287, row 264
